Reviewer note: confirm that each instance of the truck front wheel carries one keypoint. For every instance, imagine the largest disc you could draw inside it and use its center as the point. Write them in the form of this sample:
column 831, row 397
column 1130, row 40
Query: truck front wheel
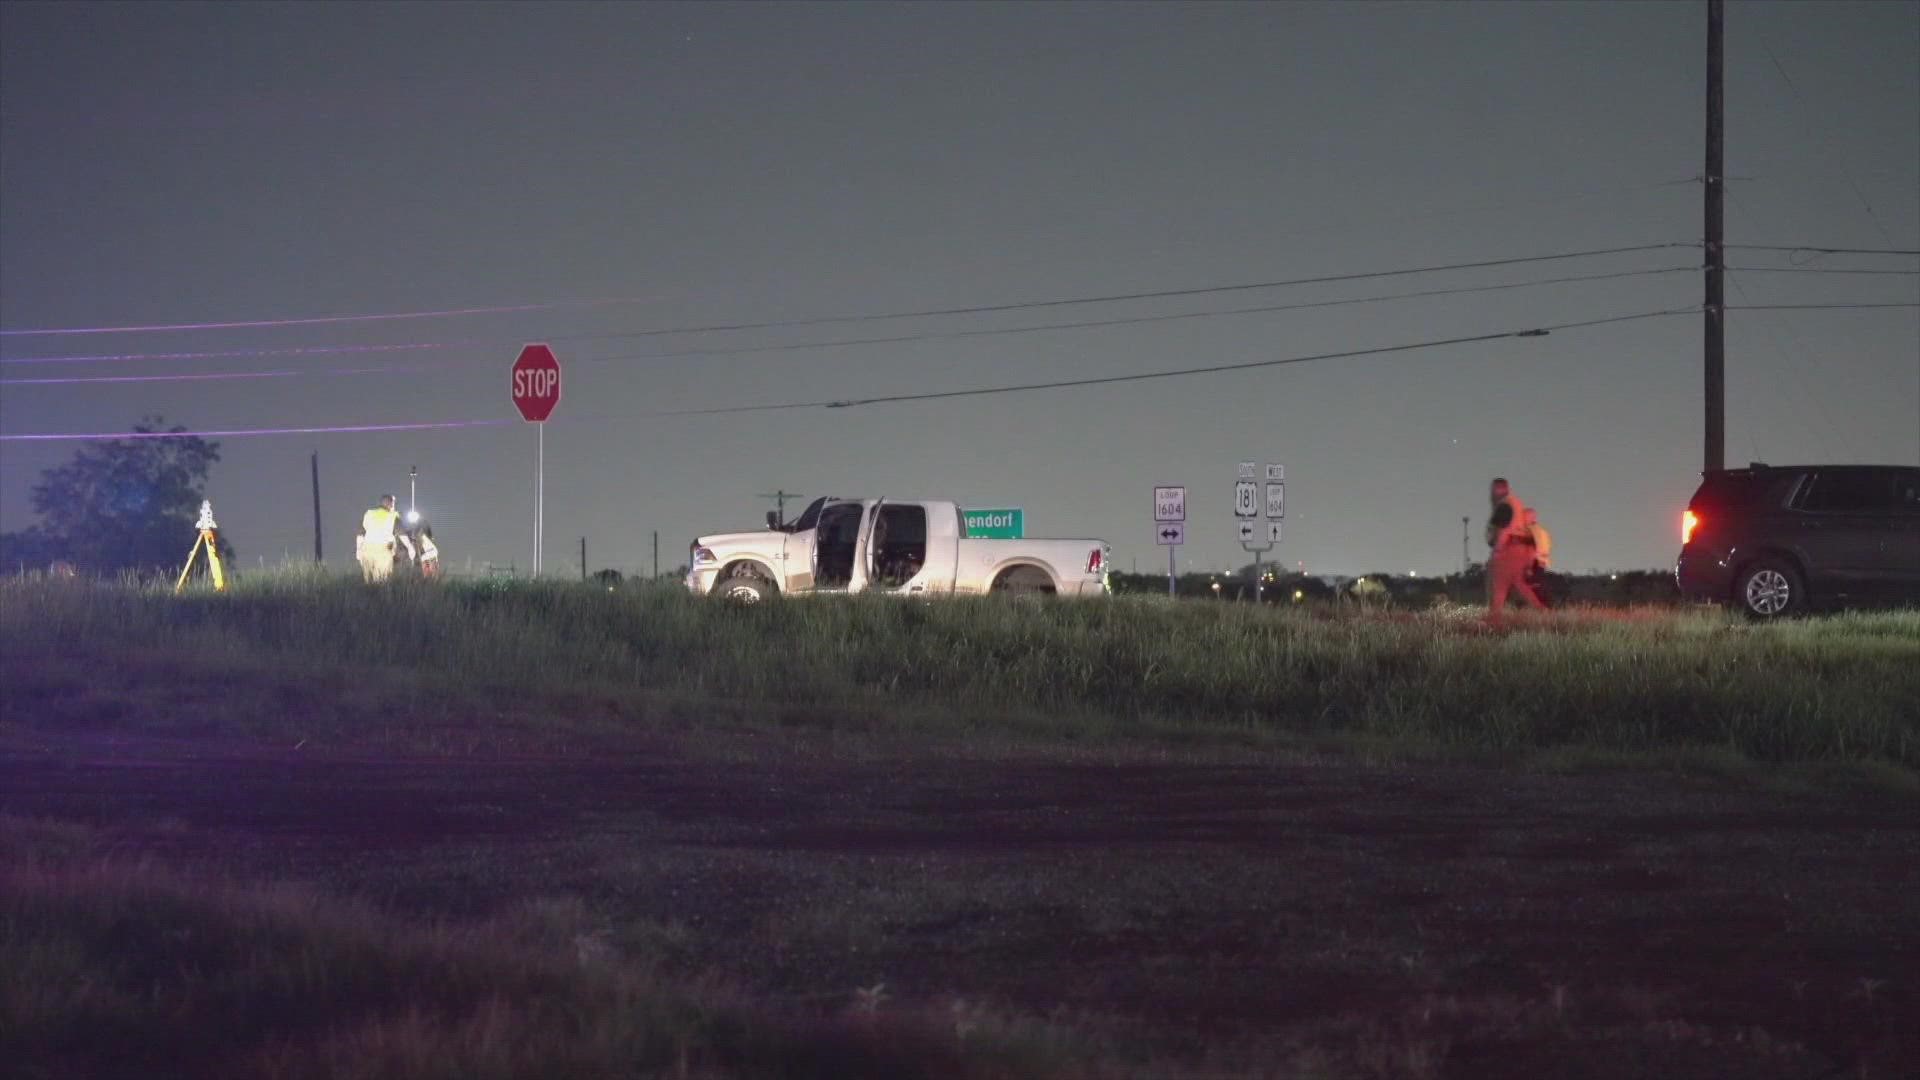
column 744, row 589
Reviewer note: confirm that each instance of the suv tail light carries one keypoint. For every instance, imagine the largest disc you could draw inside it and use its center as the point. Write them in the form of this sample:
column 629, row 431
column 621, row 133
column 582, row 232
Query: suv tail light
column 1096, row 561
column 1689, row 521
column 701, row 556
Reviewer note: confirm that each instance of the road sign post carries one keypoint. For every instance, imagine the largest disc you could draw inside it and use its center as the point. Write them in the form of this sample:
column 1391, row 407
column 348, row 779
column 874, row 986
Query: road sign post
column 1170, row 522
column 536, row 392
column 1248, row 509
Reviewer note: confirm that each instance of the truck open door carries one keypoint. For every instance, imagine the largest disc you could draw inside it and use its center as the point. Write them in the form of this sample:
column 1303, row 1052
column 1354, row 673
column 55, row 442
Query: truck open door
column 863, row 552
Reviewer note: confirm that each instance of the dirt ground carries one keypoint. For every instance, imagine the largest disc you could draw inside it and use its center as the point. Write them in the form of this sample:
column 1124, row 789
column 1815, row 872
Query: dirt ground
column 1236, row 919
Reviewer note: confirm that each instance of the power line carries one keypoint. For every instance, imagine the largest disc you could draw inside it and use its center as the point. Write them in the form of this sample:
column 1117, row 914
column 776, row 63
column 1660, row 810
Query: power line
column 1808, row 248
column 1135, row 319
column 1812, row 307
column 872, row 317
column 1806, row 115
column 1541, row 331
column 1157, row 294
column 894, row 339
column 1213, row 368
column 1817, row 270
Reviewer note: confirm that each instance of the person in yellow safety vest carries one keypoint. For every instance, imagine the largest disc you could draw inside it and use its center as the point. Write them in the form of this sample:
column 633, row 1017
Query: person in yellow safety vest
column 373, row 544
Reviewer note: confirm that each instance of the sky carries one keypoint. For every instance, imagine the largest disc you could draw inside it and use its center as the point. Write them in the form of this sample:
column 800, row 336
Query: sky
column 696, row 165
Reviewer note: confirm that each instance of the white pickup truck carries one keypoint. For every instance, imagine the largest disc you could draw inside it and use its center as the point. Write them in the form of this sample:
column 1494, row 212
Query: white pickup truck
column 887, row 546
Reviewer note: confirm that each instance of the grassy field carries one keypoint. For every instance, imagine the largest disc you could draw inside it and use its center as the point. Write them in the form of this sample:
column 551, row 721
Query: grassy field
column 301, row 658
column 312, row 829
column 115, row 969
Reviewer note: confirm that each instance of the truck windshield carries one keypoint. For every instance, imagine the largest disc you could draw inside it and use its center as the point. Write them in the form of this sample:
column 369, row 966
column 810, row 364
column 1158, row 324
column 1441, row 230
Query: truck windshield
column 808, row 517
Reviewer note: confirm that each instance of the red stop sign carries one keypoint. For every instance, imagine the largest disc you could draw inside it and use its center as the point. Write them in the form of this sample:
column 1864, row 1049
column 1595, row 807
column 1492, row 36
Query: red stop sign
column 536, row 383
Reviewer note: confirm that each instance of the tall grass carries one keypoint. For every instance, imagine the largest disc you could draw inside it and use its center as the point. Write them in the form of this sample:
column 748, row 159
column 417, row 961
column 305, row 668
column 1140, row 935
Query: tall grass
column 1844, row 688
column 110, row 970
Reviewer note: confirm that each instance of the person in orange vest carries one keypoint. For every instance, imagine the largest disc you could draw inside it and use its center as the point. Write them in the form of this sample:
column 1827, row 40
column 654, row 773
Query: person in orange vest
column 1511, row 551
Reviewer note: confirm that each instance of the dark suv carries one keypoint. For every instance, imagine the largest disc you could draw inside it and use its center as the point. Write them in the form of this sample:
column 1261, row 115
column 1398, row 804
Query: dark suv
column 1779, row 540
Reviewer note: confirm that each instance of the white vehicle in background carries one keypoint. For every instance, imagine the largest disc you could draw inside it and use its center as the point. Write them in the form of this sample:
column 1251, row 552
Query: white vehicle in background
column 887, row 546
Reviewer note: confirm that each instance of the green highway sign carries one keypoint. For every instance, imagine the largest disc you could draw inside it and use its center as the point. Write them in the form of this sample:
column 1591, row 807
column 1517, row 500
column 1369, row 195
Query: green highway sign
column 1006, row 524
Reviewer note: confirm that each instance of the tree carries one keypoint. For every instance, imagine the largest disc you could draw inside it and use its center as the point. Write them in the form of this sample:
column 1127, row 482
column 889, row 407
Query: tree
column 120, row 504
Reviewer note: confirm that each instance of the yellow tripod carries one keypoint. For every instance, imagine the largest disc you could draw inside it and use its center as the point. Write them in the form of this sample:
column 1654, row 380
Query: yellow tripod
column 209, row 542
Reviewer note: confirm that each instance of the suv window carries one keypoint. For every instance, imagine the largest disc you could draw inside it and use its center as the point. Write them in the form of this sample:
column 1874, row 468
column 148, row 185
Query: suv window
column 1850, row 491
column 1738, row 490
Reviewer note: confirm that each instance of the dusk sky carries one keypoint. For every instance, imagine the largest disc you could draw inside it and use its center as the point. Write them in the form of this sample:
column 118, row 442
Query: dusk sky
column 720, row 164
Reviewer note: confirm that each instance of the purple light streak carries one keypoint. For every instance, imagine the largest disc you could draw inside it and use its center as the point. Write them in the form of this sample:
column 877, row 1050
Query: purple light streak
column 216, row 376
column 502, row 309
column 239, row 433
column 308, row 350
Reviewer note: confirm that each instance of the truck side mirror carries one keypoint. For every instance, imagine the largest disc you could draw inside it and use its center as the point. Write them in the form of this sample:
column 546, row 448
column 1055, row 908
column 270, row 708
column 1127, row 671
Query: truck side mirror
column 773, row 519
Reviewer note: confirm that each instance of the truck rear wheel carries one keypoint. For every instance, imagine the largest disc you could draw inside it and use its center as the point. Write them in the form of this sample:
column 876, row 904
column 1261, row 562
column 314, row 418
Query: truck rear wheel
column 1024, row 581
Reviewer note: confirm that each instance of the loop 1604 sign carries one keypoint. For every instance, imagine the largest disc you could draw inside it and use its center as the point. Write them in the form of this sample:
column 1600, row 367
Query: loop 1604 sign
column 536, row 383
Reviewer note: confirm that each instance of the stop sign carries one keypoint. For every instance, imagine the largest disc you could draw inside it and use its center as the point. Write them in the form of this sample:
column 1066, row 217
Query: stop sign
column 536, row 383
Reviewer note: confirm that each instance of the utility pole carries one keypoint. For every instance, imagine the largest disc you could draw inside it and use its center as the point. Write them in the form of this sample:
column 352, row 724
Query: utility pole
column 413, row 487
column 583, row 558
column 1715, row 182
column 780, row 498
column 1466, row 560
column 318, row 555
column 656, row 554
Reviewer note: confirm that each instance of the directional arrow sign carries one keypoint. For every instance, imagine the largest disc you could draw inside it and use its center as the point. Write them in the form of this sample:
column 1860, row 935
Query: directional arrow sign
column 1273, row 532
column 1246, row 532
column 1171, row 533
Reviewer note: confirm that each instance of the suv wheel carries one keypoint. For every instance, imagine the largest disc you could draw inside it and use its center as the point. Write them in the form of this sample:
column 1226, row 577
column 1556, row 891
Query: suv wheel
column 1770, row 589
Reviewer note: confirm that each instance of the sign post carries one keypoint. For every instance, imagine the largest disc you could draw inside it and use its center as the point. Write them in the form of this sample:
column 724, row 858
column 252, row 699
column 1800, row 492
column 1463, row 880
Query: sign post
column 1170, row 521
column 536, row 391
column 1247, row 508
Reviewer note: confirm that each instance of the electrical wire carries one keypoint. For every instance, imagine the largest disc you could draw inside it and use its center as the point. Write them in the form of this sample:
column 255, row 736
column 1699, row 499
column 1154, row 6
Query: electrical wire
column 1822, row 133
column 1213, row 368
column 1800, row 248
column 1135, row 319
column 1540, row 331
column 1157, row 294
column 1812, row 307
column 896, row 339
column 874, row 317
column 1818, row 270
